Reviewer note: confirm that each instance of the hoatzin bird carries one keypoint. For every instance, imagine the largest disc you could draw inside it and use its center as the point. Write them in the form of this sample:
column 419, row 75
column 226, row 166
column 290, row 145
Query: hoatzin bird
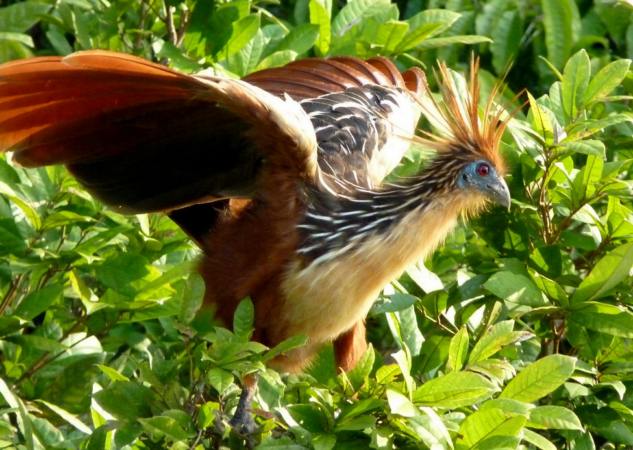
column 277, row 177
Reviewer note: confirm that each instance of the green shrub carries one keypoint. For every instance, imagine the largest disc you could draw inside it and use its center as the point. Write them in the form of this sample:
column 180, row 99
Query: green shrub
column 516, row 334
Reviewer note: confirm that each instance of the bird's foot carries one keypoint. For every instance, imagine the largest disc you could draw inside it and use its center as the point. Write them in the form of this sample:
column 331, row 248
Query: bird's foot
column 242, row 421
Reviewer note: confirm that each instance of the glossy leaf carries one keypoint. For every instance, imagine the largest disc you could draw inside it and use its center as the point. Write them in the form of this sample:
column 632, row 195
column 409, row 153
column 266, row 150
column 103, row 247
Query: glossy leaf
column 606, row 80
column 483, row 425
column 454, row 389
column 554, row 417
column 540, row 378
column 458, row 350
column 575, row 82
column 608, row 273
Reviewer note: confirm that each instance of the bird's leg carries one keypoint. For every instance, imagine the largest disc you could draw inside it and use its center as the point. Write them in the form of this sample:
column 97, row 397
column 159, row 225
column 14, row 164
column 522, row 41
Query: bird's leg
column 350, row 346
column 243, row 420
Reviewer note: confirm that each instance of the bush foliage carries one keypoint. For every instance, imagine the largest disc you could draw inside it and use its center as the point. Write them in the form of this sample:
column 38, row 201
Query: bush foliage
column 516, row 334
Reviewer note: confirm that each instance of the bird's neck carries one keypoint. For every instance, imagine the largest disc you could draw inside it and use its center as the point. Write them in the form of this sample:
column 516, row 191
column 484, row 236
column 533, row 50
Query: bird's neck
column 335, row 226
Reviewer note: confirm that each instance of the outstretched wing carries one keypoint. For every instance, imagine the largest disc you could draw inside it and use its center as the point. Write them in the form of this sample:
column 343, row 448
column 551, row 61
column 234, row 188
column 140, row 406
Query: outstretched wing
column 142, row 137
column 364, row 113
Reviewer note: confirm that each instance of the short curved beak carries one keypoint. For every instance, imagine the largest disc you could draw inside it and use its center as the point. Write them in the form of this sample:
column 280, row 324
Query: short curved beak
column 497, row 191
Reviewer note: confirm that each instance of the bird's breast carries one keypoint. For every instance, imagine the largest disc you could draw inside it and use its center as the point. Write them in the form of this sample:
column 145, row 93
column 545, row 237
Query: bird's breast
column 327, row 298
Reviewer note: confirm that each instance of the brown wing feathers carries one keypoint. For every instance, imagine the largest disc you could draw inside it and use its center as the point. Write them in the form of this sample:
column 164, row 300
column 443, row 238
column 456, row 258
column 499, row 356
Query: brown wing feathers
column 313, row 77
column 143, row 137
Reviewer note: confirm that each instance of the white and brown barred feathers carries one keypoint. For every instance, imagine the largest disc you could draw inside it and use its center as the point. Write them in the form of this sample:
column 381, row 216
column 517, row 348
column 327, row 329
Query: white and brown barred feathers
column 462, row 132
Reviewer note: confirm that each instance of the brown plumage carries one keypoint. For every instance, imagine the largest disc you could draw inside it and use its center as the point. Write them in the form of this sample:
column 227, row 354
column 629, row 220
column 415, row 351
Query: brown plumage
column 277, row 177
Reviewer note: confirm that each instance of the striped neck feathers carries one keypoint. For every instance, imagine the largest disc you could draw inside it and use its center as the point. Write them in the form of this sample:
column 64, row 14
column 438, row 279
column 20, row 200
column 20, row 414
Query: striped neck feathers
column 333, row 226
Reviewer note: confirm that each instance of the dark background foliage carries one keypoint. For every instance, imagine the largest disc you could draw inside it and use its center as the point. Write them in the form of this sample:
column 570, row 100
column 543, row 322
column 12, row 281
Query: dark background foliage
column 515, row 334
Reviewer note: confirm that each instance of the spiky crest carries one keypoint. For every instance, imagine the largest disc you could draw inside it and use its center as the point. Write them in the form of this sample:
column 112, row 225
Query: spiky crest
column 458, row 122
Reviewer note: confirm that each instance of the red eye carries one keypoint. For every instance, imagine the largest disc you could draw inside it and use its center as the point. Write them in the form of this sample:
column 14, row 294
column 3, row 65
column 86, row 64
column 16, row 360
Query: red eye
column 483, row 170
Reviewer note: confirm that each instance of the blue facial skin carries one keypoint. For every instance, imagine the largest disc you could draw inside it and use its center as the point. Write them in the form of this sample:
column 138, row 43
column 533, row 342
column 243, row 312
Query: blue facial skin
column 482, row 176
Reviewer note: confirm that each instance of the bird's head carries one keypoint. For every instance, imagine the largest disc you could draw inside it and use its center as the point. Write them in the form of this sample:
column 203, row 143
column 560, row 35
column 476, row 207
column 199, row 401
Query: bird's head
column 482, row 177
column 467, row 138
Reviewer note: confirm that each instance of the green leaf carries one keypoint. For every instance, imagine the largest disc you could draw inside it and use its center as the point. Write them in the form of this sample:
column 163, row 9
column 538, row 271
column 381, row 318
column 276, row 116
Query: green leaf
column 11, row 240
column 606, row 80
column 245, row 61
column 390, row 35
column 113, row 374
column 98, row 438
column 554, row 417
column 551, row 289
column 325, row 441
column 537, row 440
column 586, row 179
column 541, row 121
column 458, row 350
column 604, row 318
column 400, row 404
column 506, row 38
column 17, row 37
column 288, row 344
column 450, row 40
column 277, row 59
column 508, row 406
column 359, row 407
column 575, row 82
column 393, row 303
column 515, row 288
column 584, row 442
column 562, row 23
column 243, row 320
column 181, row 62
column 496, row 369
column 433, row 353
column 351, row 12
column 165, row 426
column 121, row 269
column 540, row 378
column 613, row 268
column 244, row 30
column 192, row 298
column 68, row 417
column 587, row 128
column 403, row 358
column 496, row 338
column 358, row 423
column 24, row 419
column 309, row 417
column 413, row 38
column 442, row 17
column 587, row 147
column 361, row 371
column 483, row 425
column 300, row 39
column 206, row 414
column 34, row 342
column 385, row 374
column 454, row 390
column 547, row 260
column 127, row 401
column 428, row 432
column 320, row 17
column 37, row 302
column 152, row 289
column 220, row 379
column 409, row 330
column 63, row 218
column 20, row 17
